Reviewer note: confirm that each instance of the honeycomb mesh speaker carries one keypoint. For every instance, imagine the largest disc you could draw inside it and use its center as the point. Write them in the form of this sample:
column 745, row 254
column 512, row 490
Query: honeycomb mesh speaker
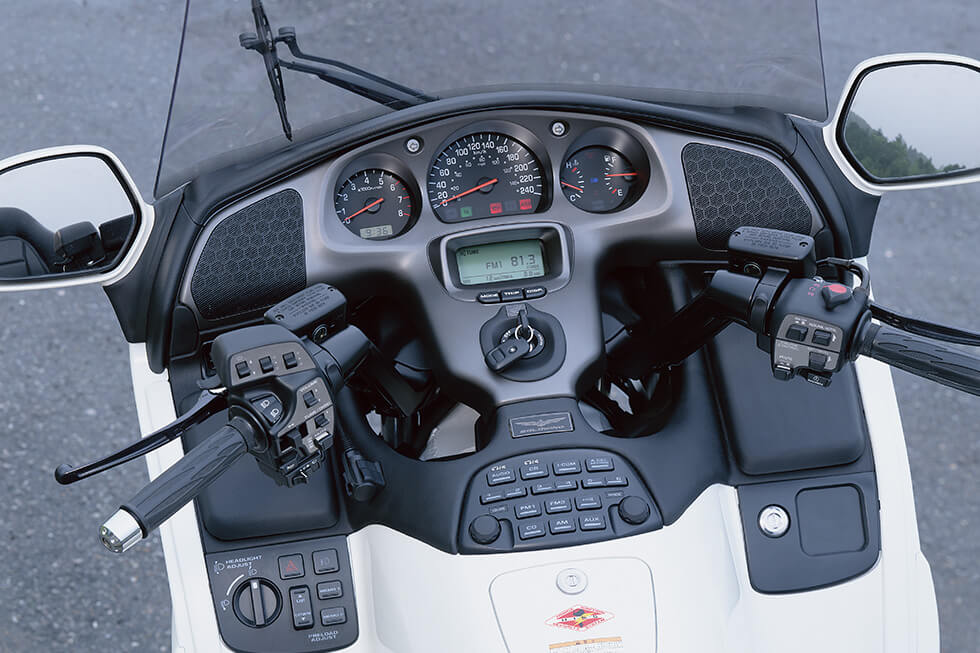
column 730, row 189
column 254, row 258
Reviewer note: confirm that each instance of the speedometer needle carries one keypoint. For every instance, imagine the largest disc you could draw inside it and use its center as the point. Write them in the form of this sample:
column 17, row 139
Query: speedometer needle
column 622, row 174
column 372, row 204
column 472, row 190
column 565, row 183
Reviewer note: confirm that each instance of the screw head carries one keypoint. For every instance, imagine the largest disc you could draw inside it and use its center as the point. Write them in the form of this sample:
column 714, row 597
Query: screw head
column 559, row 128
column 413, row 145
column 774, row 521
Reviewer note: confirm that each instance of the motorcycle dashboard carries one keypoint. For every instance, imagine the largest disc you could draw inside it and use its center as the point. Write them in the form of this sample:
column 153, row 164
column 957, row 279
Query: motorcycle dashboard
column 459, row 218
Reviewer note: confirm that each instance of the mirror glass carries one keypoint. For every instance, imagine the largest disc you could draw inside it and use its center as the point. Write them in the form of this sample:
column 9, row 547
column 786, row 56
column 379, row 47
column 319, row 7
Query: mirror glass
column 66, row 215
column 914, row 120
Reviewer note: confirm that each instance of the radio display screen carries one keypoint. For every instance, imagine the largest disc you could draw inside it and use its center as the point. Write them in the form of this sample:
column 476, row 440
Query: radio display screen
column 497, row 262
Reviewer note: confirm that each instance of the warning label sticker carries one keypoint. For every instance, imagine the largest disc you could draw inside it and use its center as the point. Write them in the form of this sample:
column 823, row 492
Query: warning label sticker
column 597, row 645
column 579, row 617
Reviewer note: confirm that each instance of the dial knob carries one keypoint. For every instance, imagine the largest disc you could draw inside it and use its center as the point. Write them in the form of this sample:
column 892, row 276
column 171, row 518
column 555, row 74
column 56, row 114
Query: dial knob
column 485, row 529
column 634, row 510
column 257, row 603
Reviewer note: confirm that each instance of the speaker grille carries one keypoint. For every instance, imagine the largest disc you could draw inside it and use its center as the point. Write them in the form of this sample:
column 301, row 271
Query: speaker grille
column 254, row 258
column 731, row 189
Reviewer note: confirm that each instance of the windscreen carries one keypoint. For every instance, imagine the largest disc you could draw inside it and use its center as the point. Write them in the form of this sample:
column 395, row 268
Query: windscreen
column 764, row 53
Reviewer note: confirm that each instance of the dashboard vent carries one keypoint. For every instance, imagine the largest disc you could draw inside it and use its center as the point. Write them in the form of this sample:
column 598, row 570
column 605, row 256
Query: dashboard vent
column 731, row 189
column 254, row 258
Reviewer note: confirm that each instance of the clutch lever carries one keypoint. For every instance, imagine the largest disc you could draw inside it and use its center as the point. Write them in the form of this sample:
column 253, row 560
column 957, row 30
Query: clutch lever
column 207, row 405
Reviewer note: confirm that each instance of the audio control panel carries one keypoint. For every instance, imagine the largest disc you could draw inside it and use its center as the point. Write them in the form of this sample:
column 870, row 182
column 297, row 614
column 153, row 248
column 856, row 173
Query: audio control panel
column 293, row 598
column 555, row 498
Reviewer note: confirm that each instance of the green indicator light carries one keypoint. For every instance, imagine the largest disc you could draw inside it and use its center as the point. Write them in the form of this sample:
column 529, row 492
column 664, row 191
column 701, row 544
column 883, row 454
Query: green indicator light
column 466, row 212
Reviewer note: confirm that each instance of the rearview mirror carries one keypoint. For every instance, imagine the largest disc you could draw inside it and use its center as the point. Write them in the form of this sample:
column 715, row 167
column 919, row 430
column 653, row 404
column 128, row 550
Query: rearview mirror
column 67, row 216
column 910, row 121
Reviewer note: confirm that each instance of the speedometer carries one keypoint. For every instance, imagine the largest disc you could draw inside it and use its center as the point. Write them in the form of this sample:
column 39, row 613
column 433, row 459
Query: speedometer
column 485, row 174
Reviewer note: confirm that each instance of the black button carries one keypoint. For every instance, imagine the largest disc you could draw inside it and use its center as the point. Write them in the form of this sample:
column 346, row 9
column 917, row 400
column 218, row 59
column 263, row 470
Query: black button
column 634, row 510
column 818, row 361
column 563, row 467
column 242, row 369
column 266, row 364
column 796, row 332
column 488, row 297
column 822, row 338
column 515, row 493
column 512, row 294
column 534, row 470
column 499, row 476
column 320, row 420
column 616, row 480
column 491, row 497
column 534, row 292
column 542, row 488
column 525, row 510
column 566, row 484
column 530, row 530
column 299, row 601
column 309, row 398
column 484, row 529
column 562, row 525
column 289, row 359
column 588, row 502
column 332, row 589
column 291, row 566
column 599, row 464
column 325, row 562
column 270, row 407
column 552, row 506
column 333, row 616
column 591, row 482
column 592, row 522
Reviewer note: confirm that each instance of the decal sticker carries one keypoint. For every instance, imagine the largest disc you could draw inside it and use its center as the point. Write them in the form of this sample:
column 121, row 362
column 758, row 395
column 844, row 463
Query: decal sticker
column 539, row 424
column 579, row 617
column 596, row 645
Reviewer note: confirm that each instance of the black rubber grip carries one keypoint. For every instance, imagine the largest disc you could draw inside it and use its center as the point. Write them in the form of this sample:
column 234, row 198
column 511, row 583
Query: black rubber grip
column 924, row 358
column 182, row 482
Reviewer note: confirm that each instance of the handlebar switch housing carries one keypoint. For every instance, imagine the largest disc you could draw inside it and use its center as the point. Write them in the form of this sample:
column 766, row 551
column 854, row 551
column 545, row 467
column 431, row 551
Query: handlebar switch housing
column 809, row 336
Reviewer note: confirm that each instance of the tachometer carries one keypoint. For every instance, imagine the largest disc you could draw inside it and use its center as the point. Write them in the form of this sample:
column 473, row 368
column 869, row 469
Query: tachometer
column 375, row 204
column 482, row 175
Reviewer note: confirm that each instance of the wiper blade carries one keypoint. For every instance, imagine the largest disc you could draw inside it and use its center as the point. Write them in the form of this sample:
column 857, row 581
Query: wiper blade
column 353, row 79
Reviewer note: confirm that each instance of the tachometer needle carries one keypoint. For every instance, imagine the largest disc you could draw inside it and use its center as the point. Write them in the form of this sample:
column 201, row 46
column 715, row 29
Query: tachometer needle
column 472, row 190
column 622, row 174
column 372, row 204
column 565, row 183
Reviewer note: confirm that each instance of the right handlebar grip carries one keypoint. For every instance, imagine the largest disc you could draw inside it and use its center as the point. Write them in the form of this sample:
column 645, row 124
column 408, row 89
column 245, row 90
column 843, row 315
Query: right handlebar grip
column 923, row 357
column 174, row 488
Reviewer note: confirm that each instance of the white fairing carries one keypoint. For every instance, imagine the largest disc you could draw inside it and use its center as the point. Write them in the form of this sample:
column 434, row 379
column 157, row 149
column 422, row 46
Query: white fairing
column 682, row 588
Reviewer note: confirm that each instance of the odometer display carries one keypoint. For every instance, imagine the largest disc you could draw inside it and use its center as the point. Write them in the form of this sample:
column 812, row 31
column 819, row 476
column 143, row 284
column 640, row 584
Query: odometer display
column 484, row 175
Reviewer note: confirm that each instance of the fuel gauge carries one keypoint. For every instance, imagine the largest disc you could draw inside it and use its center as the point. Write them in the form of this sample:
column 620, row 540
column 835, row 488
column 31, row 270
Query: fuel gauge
column 599, row 180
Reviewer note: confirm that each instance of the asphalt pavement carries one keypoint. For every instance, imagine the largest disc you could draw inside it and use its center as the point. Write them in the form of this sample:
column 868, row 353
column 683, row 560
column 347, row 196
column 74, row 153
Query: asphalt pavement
column 100, row 72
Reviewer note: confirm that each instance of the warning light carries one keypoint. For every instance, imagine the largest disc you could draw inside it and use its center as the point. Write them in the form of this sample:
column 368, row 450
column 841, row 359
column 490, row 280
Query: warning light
column 525, row 204
column 466, row 211
column 496, row 207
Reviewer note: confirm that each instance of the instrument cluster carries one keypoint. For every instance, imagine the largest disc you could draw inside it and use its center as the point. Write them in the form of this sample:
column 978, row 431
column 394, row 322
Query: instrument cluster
column 489, row 169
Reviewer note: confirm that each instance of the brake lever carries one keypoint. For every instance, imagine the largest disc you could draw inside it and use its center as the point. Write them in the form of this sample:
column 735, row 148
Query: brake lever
column 207, row 405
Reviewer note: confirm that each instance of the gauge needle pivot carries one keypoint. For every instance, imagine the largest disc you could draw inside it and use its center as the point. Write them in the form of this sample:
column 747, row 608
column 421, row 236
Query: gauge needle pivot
column 472, row 190
column 371, row 205
column 565, row 183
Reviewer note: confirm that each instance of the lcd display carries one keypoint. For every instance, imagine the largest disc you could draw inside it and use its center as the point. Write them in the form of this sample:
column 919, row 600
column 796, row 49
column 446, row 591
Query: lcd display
column 496, row 262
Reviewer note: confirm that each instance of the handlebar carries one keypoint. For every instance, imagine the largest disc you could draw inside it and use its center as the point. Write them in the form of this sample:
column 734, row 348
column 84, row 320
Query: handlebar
column 176, row 486
column 921, row 357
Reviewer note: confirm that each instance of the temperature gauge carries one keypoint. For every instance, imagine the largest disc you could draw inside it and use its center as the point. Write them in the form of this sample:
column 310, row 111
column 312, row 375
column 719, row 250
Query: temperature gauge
column 599, row 180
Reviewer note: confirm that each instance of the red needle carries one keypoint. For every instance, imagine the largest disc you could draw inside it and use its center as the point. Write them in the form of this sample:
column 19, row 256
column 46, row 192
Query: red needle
column 467, row 192
column 565, row 183
column 622, row 174
column 374, row 203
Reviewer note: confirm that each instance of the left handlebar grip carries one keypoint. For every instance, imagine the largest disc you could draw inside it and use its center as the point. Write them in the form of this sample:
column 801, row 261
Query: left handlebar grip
column 174, row 488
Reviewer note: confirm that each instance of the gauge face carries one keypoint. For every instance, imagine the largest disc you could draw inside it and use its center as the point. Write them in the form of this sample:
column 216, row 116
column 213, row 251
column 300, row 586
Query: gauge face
column 598, row 179
column 375, row 204
column 484, row 175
